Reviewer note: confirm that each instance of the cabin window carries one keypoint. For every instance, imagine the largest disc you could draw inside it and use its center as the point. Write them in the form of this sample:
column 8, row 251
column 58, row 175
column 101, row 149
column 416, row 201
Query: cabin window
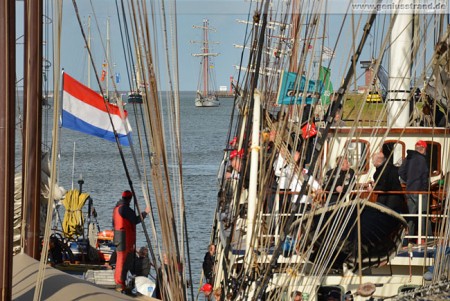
column 394, row 150
column 358, row 155
column 434, row 157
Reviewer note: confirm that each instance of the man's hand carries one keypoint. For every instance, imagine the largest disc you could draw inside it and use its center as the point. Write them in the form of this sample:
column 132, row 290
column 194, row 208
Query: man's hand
column 147, row 210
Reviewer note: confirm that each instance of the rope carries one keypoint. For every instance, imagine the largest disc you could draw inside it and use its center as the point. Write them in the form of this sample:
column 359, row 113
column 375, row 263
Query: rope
column 119, row 145
column 153, row 122
column 73, row 222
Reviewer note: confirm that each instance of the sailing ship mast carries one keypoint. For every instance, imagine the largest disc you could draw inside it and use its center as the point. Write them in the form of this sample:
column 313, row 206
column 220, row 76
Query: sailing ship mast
column 400, row 70
column 205, row 54
column 293, row 64
column 205, row 97
column 7, row 139
column 31, row 171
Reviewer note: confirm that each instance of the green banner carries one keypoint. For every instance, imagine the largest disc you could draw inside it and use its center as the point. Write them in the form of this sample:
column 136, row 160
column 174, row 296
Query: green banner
column 327, row 90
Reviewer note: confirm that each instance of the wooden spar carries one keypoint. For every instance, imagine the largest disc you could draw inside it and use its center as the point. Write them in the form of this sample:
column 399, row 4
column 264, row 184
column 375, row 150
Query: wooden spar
column 7, row 141
column 32, row 127
column 293, row 65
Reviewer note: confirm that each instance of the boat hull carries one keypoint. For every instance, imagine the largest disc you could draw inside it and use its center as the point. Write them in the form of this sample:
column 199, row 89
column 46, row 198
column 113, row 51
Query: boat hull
column 381, row 230
column 211, row 101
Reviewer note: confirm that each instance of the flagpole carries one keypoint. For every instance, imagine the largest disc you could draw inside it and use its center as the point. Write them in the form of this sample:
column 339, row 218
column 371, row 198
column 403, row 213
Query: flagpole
column 89, row 54
column 107, row 58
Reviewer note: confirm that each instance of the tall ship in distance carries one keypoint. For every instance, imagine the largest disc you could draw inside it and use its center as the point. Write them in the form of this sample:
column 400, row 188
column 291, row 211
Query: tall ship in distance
column 206, row 95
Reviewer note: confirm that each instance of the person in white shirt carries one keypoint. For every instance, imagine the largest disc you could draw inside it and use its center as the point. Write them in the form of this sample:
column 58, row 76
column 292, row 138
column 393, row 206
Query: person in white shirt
column 282, row 171
column 290, row 181
column 296, row 185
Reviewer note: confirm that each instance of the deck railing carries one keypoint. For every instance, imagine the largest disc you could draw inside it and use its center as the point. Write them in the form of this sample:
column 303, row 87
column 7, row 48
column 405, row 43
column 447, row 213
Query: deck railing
column 271, row 222
column 432, row 216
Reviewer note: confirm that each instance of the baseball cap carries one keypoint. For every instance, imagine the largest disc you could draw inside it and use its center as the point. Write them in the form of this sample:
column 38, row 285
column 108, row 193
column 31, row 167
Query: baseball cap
column 206, row 287
column 421, row 143
column 127, row 194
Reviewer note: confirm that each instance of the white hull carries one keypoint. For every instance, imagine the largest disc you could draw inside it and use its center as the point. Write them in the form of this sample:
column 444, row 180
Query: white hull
column 211, row 101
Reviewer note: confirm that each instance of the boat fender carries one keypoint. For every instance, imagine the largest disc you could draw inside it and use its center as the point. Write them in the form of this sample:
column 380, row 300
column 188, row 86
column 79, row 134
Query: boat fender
column 366, row 289
column 428, row 276
column 106, row 235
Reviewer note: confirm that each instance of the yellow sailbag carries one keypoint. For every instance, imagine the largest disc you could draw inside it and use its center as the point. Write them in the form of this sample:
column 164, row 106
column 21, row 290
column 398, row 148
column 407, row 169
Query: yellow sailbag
column 73, row 218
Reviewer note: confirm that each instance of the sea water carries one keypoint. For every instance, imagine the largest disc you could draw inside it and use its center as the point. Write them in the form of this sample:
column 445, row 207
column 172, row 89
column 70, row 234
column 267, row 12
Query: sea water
column 203, row 136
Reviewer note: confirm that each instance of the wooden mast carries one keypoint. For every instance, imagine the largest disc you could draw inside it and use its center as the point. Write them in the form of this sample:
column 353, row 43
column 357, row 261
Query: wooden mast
column 7, row 142
column 32, row 127
column 293, row 63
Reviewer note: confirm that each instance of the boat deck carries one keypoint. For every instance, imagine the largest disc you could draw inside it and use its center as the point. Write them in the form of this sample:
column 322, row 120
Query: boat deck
column 57, row 285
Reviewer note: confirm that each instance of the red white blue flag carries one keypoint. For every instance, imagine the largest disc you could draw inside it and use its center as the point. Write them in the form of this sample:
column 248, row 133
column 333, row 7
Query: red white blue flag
column 84, row 110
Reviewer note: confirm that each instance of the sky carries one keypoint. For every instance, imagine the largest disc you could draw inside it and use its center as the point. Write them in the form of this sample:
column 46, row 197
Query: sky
column 222, row 15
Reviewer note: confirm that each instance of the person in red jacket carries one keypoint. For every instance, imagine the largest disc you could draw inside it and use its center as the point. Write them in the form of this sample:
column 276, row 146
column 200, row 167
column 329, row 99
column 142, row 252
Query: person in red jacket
column 124, row 223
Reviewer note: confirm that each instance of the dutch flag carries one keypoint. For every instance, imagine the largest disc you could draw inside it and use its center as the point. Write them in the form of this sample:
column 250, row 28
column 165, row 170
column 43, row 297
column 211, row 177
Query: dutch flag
column 84, row 110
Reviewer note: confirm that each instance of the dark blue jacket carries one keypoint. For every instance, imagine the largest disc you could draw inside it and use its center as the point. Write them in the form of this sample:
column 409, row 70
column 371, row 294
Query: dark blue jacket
column 208, row 266
column 414, row 171
column 386, row 176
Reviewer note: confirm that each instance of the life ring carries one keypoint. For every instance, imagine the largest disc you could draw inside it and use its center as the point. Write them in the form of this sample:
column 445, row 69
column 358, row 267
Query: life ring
column 106, row 235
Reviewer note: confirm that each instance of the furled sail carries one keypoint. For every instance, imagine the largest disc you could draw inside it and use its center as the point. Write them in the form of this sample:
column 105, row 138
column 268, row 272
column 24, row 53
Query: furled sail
column 45, row 192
